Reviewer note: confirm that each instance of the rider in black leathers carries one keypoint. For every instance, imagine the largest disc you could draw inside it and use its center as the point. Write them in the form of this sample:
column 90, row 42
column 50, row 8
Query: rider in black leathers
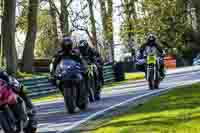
column 91, row 55
column 66, row 50
column 151, row 44
column 19, row 90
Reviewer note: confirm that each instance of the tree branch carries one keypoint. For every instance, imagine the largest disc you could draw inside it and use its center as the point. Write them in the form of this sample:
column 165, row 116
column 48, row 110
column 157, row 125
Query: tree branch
column 69, row 3
column 52, row 4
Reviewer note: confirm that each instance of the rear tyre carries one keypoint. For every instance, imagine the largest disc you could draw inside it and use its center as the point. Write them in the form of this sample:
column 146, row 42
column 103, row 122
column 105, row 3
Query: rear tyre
column 97, row 85
column 98, row 94
column 151, row 87
column 70, row 99
column 91, row 95
column 91, row 89
column 97, row 97
column 156, row 84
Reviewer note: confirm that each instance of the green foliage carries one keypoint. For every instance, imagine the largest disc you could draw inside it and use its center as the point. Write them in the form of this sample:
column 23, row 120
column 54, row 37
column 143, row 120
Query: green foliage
column 167, row 19
column 45, row 47
column 45, row 44
column 22, row 19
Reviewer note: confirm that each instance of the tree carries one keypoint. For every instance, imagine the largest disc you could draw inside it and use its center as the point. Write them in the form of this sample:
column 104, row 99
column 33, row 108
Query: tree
column 8, row 36
column 129, row 15
column 28, row 54
column 196, row 5
column 47, row 40
column 1, row 44
column 93, row 23
column 63, row 15
column 54, row 21
column 107, row 22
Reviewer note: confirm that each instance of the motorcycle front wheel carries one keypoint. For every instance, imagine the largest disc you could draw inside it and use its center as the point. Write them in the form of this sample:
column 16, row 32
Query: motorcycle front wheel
column 69, row 98
column 6, row 123
column 82, row 96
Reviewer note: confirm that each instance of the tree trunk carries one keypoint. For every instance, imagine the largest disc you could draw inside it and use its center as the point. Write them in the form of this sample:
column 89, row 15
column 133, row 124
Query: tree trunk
column 64, row 18
column 8, row 36
column 110, row 28
column 107, row 21
column 1, row 44
column 28, row 54
column 54, row 21
column 196, row 5
column 93, row 24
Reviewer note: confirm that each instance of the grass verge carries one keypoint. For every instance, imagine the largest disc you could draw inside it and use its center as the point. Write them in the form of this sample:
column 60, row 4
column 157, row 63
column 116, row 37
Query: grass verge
column 178, row 111
column 24, row 75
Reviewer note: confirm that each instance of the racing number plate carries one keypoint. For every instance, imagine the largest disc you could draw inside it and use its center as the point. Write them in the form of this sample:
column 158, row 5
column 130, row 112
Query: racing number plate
column 151, row 59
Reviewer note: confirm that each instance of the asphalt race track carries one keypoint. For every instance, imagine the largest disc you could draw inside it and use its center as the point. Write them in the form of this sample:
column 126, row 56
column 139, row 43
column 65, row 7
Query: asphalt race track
column 53, row 117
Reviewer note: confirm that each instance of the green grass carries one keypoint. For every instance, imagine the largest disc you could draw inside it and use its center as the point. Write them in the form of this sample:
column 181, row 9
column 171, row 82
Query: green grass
column 30, row 75
column 175, row 112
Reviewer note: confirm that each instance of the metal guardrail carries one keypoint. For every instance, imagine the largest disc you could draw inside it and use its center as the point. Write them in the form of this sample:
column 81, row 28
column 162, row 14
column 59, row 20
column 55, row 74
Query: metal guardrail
column 38, row 87
column 108, row 74
column 42, row 86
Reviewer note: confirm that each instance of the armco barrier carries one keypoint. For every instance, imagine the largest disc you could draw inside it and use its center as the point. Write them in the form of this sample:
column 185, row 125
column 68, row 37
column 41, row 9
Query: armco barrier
column 38, row 87
column 108, row 73
column 42, row 86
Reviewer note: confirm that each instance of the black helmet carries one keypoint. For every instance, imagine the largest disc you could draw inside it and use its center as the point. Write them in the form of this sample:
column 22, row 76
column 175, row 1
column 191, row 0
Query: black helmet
column 4, row 76
column 151, row 38
column 83, row 44
column 67, row 44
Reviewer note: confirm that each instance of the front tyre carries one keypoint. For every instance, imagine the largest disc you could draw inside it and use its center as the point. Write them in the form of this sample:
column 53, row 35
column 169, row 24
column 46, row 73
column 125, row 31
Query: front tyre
column 70, row 99
column 6, row 125
column 82, row 98
column 30, row 130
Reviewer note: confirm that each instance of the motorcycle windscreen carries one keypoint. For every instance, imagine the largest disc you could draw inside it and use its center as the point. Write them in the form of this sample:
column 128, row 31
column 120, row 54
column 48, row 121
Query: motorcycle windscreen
column 151, row 59
column 68, row 68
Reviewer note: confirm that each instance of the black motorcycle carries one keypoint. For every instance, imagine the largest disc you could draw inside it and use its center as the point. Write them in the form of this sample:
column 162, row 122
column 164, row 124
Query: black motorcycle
column 70, row 81
column 13, row 113
column 93, row 83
